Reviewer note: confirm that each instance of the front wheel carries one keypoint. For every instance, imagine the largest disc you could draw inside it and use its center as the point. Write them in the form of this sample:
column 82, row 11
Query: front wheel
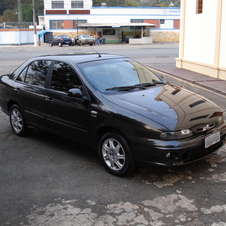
column 116, row 154
column 60, row 44
column 18, row 122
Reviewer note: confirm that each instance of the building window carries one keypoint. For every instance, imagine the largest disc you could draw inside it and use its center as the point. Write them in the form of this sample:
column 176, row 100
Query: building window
column 75, row 22
column 162, row 21
column 137, row 21
column 57, row 4
column 77, row 4
column 199, row 6
column 108, row 31
column 56, row 24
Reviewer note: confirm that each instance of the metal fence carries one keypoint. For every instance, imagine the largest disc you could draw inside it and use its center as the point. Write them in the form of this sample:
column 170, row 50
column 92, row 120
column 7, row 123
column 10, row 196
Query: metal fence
column 15, row 25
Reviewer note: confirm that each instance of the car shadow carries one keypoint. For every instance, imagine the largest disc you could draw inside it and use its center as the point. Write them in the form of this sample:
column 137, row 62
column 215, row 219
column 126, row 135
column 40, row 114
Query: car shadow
column 52, row 144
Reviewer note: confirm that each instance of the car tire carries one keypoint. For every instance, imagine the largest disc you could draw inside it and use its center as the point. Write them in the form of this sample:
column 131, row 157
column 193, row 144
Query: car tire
column 80, row 43
column 18, row 122
column 60, row 44
column 116, row 154
column 50, row 44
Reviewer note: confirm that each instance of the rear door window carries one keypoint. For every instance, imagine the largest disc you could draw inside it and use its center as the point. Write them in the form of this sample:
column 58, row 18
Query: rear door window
column 64, row 78
column 37, row 72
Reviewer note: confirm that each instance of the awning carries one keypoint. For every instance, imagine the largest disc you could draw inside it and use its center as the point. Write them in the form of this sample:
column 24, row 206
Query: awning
column 115, row 25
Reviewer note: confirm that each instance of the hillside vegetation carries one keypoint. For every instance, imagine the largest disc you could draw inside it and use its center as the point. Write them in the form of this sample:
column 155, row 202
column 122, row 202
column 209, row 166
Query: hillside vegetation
column 9, row 8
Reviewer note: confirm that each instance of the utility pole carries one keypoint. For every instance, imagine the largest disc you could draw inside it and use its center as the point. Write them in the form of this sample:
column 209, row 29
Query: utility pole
column 34, row 22
column 19, row 12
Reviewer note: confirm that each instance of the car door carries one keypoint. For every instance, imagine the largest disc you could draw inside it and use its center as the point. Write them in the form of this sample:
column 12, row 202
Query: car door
column 56, row 40
column 65, row 114
column 29, row 88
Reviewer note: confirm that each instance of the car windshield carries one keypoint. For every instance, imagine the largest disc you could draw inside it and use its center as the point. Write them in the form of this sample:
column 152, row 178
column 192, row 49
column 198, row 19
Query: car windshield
column 86, row 36
column 118, row 75
column 64, row 36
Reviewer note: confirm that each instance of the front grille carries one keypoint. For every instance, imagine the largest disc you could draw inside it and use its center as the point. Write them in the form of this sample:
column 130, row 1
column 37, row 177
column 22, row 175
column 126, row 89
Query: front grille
column 198, row 153
column 203, row 128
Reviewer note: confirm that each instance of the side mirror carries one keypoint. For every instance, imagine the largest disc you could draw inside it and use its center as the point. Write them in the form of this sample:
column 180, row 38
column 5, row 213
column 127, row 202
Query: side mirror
column 75, row 92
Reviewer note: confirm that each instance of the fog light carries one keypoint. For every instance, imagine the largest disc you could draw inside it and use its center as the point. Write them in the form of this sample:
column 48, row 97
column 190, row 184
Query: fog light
column 172, row 156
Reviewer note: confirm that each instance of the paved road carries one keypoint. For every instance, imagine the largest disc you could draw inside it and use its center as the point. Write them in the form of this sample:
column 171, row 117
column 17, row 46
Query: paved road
column 47, row 180
column 147, row 54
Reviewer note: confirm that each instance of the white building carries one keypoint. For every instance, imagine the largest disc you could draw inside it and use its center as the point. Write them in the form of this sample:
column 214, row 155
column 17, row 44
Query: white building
column 112, row 23
column 202, row 37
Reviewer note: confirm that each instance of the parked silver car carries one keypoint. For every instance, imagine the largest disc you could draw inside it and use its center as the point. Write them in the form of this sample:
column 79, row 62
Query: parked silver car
column 83, row 39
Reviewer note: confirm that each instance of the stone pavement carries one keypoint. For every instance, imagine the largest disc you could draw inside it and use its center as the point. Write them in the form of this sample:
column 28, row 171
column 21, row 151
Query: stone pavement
column 214, row 84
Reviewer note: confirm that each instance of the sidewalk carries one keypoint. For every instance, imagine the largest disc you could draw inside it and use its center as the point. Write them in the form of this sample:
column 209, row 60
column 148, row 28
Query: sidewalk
column 214, row 84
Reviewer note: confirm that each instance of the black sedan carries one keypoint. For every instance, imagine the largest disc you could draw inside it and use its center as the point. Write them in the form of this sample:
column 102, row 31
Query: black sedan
column 114, row 104
column 61, row 40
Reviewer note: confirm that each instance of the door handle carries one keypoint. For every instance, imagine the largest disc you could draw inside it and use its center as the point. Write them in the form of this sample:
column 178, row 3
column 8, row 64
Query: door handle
column 18, row 90
column 49, row 99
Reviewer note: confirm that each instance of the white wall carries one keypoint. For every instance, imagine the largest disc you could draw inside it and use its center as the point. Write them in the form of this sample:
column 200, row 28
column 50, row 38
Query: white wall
column 167, row 25
column 17, row 37
column 67, row 4
column 200, row 32
column 143, row 11
column 223, row 38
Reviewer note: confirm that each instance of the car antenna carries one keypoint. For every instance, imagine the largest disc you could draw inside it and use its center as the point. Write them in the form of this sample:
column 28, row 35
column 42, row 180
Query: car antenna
column 95, row 51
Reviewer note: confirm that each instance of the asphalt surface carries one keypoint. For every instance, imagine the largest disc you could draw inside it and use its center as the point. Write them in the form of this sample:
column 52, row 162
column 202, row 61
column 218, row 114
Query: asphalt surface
column 48, row 180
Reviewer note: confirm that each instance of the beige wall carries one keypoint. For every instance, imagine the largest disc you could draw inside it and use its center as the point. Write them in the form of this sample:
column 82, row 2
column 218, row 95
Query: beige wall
column 165, row 36
column 202, row 38
column 71, row 34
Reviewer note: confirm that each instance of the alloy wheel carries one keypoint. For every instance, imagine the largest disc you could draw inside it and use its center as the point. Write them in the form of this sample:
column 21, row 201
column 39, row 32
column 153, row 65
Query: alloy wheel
column 113, row 154
column 16, row 121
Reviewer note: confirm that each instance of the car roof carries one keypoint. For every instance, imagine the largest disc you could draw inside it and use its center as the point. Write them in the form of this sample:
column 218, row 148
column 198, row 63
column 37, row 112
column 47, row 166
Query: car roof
column 78, row 58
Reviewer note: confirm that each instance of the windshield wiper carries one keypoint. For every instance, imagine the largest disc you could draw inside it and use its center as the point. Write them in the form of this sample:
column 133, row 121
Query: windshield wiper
column 139, row 86
column 148, row 84
column 122, row 88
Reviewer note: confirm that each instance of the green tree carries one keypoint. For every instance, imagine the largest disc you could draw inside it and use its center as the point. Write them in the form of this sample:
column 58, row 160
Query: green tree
column 132, row 3
column 26, row 9
column 177, row 3
column 27, row 13
column 9, row 15
column 163, row 4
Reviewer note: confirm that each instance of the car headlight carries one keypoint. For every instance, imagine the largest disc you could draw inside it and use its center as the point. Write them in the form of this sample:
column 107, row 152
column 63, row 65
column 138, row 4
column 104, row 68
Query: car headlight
column 185, row 133
column 220, row 119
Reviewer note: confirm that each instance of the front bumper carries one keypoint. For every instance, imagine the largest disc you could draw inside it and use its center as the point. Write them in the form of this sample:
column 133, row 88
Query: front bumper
column 178, row 152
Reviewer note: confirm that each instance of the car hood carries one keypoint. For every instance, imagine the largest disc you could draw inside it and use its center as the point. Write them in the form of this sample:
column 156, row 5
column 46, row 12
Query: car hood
column 170, row 106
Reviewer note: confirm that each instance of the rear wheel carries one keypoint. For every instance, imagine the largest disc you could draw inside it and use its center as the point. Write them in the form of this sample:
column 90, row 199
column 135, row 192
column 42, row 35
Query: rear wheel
column 80, row 43
column 18, row 122
column 50, row 44
column 116, row 154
